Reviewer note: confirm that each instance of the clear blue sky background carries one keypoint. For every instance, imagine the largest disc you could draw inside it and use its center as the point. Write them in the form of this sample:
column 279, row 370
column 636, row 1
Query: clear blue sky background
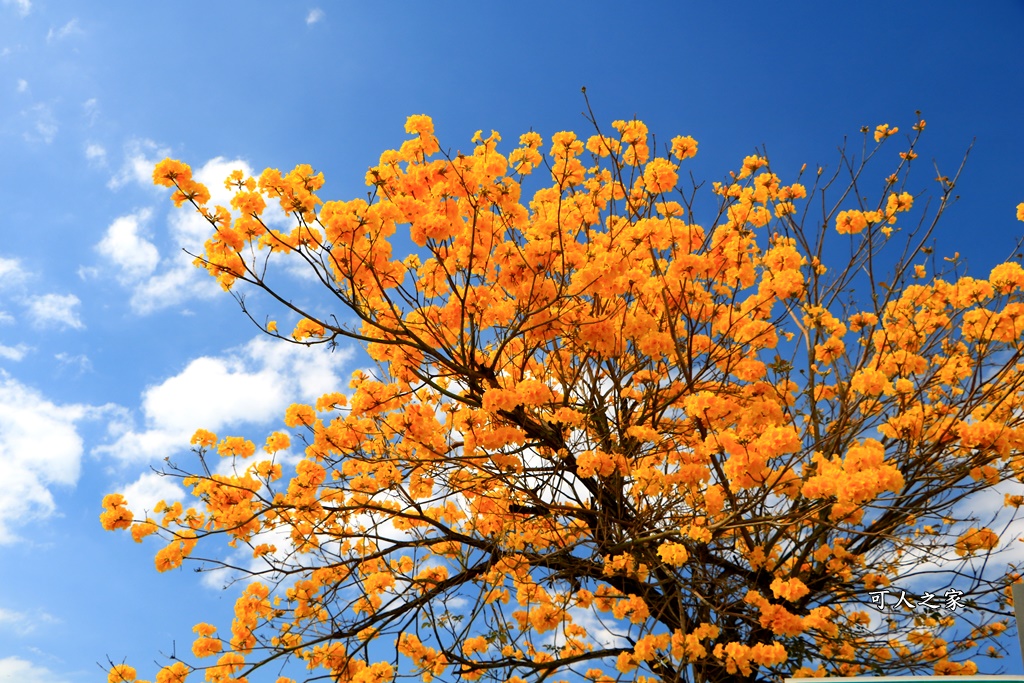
column 113, row 349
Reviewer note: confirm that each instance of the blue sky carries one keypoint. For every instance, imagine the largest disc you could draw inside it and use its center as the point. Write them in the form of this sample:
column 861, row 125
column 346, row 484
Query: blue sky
column 114, row 349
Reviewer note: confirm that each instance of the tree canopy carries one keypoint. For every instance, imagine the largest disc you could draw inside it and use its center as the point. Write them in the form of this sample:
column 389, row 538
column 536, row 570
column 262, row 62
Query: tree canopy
column 625, row 427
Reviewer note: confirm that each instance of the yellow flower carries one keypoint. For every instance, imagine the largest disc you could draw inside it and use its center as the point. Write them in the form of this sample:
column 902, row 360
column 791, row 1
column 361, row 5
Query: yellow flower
column 897, row 203
column 673, row 553
column 307, row 328
column 1006, row 277
column 143, row 529
column 419, row 124
column 299, row 414
column 236, row 445
column 115, row 515
column 684, row 147
column 976, row 539
column 277, row 441
column 121, row 673
column 204, row 630
column 625, row 662
column 850, row 222
column 789, row 589
column 660, row 176
column 170, row 171
column 751, row 164
column 203, row 438
column 205, row 647
column 884, row 131
column 631, row 132
column 169, row 557
column 473, row 645
column 175, row 673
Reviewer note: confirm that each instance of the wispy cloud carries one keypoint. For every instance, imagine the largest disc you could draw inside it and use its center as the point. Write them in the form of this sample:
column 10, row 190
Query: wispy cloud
column 22, row 7
column 22, row 85
column 14, row 353
column 96, row 154
column 12, row 276
column 55, row 310
column 78, row 361
column 316, row 14
column 125, row 246
column 91, row 108
column 175, row 285
column 250, row 385
column 140, row 156
column 42, row 123
column 24, row 671
column 24, row 622
column 69, row 29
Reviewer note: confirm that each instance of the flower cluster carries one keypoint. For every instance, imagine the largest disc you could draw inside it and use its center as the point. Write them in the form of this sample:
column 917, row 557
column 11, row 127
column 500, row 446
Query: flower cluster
column 594, row 405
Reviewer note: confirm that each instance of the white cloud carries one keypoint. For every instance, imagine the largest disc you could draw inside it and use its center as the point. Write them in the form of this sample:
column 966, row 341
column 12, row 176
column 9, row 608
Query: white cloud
column 316, row 14
column 42, row 122
column 39, row 448
column 91, row 107
column 12, row 275
column 9, row 617
column 55, row 310
column 79, row 361
column 144, row 493
column 188, row 228
column 219, row 577
column 22, row 85
column 126, row 248
column 23, row 7
column 24, row 671
column 141, row 156
column 96, row 154
column 250, row 385
column 174, row 279
column 69, row 29
column 14, row 353
column 24, row 622
column 88, row 272
column 11, row 271
column 179, row 280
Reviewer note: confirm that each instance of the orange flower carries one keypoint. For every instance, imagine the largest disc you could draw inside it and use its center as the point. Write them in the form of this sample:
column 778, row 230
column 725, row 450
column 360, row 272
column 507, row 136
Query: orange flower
column 121, row 673
column 684, row 147
column 170, row 171
column 850, row 222
column 175, row 673
column 884, row 131
column 299, row 414
column 673, row 553
column 660, row 176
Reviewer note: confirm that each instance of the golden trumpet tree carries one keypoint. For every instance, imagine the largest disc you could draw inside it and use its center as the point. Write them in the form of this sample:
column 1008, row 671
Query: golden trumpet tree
column 610, row 438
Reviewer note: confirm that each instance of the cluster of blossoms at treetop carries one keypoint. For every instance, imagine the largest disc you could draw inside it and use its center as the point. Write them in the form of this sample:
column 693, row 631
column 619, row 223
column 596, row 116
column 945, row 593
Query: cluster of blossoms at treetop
column 608, row 439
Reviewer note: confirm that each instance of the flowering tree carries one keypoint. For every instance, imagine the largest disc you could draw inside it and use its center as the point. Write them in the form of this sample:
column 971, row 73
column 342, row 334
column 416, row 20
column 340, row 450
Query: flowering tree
column 606, row 442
